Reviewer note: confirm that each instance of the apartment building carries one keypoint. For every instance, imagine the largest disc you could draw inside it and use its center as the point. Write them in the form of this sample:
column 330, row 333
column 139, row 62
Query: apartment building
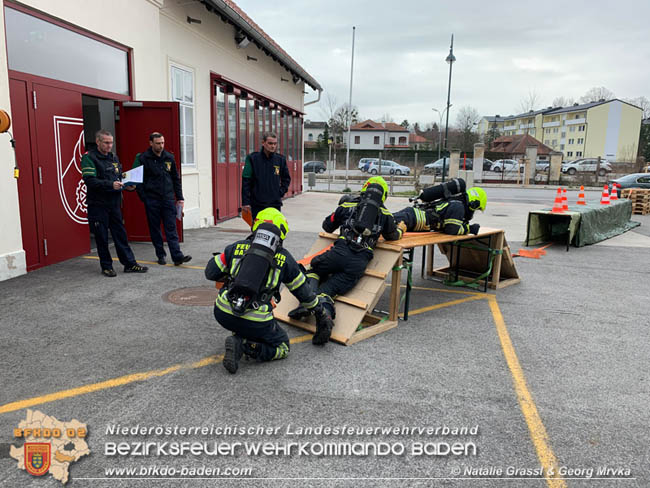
column 609, row 129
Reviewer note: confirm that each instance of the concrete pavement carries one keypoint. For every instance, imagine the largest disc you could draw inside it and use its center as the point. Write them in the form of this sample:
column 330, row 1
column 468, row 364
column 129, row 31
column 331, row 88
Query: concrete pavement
column 552, row 371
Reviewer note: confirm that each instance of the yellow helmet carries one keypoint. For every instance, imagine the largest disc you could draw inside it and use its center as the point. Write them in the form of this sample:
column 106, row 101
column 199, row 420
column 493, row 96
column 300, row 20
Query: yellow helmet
column 377, row 180
column 272, row 216
column 478, row 195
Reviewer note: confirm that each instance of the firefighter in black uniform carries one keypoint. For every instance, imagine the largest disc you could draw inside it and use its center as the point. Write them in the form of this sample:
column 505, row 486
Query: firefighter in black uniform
column 338, row 270
column 265, row 178
column 102, row 173
column 449, row 215
column 254, row 269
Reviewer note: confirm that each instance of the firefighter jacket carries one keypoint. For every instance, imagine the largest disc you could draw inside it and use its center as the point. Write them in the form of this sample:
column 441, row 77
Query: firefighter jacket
column 341, row 217
column 286, row 271
column 453, row 217
column 160, row 179
column 99, row 171
column 265, row 180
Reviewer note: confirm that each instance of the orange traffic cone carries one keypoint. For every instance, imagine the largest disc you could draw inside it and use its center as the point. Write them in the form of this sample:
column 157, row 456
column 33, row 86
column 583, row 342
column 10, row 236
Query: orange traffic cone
column 614, row 195
column 565, row 204
column 557, row 205
column 604, row 199
column 581, row 196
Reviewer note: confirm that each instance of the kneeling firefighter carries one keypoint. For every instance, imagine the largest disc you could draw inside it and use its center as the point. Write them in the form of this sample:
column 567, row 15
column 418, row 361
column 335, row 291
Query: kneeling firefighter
column 362, row 220
column 253, row 270
column 447, row 207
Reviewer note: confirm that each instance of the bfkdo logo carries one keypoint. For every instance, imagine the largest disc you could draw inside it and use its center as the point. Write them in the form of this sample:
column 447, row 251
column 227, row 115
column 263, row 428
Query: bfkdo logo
column 37, row 458
column 51, row 446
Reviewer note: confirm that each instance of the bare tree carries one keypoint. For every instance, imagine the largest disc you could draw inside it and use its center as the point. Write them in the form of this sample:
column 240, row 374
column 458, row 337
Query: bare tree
column 343, row 117
column 529, row 102
column 643, row 103
column 328, row 106
column 466, row 121
column 563, row 101
column 387, row 118
column 596, row 94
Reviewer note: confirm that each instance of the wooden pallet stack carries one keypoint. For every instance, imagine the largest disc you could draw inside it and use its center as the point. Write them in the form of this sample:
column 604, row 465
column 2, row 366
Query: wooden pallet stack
column 640, row 200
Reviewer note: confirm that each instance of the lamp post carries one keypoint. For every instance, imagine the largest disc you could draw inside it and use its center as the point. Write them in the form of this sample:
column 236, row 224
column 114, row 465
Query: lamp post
column 450, row 60
column 441, row 115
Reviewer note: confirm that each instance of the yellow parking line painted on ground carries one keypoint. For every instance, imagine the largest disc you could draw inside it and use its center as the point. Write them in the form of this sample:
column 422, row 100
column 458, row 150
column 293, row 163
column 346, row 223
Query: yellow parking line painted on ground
column 446, row 304
column 152, row 262
column 460, row 292
column 526, row 403
column 122, row 380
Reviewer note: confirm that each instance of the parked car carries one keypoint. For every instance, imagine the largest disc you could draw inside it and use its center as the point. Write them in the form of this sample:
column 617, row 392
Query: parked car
column 507, row 166
column 587, row 165
column 542, row 165
column 314, row 167
column 436, row 166
column 365, row 162
column 388, row 168
column 634, row 180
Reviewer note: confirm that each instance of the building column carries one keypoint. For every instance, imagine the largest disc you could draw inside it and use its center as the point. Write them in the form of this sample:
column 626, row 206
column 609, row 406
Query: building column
column 454, row 163
column 479, row 152
column 531, row 163
column 555, row 167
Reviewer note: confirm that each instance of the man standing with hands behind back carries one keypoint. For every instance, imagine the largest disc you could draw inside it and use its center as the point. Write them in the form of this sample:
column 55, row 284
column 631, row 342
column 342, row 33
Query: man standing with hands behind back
column 265, row 178
column 161, row 191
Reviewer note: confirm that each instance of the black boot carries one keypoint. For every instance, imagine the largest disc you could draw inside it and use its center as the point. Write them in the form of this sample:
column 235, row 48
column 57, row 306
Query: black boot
column 233, row 354
column 251, row 349
column 324, row 326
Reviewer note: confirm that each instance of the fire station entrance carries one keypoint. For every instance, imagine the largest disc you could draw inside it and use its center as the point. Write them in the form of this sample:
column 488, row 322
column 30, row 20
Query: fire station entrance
column 55, row 107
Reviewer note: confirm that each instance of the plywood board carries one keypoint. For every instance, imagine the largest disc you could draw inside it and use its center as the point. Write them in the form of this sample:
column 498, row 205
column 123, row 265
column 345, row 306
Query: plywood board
column 351, row 309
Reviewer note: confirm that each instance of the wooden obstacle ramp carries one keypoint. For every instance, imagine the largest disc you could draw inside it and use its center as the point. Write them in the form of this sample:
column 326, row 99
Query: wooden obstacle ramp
column 354, row 321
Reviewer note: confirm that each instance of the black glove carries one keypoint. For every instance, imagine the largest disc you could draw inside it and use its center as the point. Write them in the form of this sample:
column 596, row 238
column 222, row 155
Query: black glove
column 473, row 229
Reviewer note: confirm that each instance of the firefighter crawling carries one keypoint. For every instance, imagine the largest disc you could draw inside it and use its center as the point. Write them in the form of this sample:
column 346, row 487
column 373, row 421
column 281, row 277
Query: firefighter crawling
column 362, row 220
column 253, row 270
column 446, row 208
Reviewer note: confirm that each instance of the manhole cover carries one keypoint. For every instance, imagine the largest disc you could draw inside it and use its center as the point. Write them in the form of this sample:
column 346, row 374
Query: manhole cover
column 200, row 296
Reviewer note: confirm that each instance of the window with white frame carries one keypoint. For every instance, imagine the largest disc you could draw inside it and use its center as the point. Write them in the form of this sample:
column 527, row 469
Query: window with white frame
column 571, row 141
column 581, row 140
column 182, row 83
column 569, row 154
column 578, row 153
column 581, row 128
column 572, row 128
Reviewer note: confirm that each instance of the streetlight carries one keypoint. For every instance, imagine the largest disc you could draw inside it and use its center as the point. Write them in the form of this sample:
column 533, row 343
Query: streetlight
column 450, row 60
column 441, row 114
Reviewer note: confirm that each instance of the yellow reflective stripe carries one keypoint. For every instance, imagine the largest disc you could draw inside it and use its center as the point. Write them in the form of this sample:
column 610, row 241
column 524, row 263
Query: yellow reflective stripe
column 385, row 211
column 421, row 220
column 220, row 265
column 276, row 278
column 298, row 281
column 263, row 314
column 311, row 304
column 349, row 204
column 441, row 206
column 313, row 275
column 281, row 351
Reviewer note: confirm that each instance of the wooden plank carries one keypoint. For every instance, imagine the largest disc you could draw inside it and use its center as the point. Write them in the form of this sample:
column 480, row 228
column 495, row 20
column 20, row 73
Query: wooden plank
column 395, row 286
column 373, row 330
column 496, row 263
column 376, row 274
column 353, row 302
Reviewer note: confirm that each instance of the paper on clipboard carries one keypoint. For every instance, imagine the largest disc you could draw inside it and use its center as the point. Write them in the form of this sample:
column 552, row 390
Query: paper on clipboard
column 133, row 176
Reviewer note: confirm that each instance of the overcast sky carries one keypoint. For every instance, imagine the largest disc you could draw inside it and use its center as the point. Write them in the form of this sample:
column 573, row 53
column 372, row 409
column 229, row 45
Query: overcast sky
column 504, row 50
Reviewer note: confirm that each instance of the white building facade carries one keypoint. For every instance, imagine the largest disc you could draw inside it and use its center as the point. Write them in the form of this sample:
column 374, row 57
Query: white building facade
column 203, row 73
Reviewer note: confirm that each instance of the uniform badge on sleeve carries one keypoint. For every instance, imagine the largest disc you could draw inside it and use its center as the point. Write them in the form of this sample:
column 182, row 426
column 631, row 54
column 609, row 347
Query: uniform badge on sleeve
column 277, row 169
column 168, row 165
